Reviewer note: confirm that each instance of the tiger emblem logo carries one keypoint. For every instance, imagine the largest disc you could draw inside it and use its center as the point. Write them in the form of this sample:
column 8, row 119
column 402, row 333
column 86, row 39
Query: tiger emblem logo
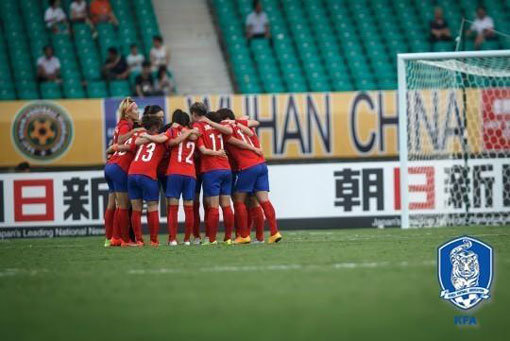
column 465, row 271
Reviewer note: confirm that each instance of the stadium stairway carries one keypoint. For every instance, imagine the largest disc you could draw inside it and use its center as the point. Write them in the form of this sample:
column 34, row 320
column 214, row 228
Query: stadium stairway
column 196, row 58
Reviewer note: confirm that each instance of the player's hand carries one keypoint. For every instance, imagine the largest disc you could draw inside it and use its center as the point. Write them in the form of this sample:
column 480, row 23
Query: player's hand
column 222, row 153
column 175, row 125
column 204, row 119
column 229, row 121
column 138, row 129
column 258, row 151
column 195, row 131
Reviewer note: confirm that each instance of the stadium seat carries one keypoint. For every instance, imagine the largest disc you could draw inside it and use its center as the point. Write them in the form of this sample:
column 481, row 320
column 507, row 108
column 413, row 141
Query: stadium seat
column 120, row 88
column 50, row 90
column 97, row 89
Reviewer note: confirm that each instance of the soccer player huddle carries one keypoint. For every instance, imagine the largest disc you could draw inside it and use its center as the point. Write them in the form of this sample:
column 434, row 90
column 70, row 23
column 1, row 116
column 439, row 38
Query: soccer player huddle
column 210, row 151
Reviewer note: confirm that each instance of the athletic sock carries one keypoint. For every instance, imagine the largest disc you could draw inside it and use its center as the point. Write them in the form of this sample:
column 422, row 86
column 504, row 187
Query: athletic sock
column 116, row 224
column 258, row 221
column 109, row 215
column 153, row 222
column 241, row 218
column 206, row 210
column 136, row 222
column 228, row 221
column 172, row 221
column 213, row 217
column 270, row 216
column 123, row 218
column 249, row 219
column 188, row 222
column 196, row 219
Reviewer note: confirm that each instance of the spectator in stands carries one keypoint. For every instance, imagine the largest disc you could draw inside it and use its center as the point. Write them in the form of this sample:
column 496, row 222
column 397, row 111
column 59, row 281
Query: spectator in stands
column 101, row 11
column 145, row 82
column 159, row 54
column 164, row 83
column 135, row 60
column 55, row 18
column 115, row 66
column 79, row 14
column 48, row 66
column 482, row 27
column 257, row 24
column 439, row 29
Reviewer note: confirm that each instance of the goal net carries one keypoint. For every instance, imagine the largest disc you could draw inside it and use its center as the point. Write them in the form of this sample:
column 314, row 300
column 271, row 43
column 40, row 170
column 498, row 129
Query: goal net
column 454, row 138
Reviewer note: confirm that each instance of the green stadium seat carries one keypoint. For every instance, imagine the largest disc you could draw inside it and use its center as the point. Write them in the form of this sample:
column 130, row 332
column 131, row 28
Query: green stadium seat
column 97, row 89
column 120, row 88
column 50, row 90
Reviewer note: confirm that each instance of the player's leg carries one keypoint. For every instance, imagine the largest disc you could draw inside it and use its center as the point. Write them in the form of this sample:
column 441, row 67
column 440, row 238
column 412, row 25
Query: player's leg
column 257, row 217
column 196, row 212
column 121, row 223
column 261, row 189
column 109, row 213
column 225, row 203
column 135, row 195
column 244, row 185
column 211, row 183
column 151, row 197
column 173, row 193
column 188, row 194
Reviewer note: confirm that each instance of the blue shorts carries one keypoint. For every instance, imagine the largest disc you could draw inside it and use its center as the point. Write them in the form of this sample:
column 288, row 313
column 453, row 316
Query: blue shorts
column 252, row 180
column 180, row 184
column 217, row 182
column 162, row 182
column 116, row 178
column 143, row 187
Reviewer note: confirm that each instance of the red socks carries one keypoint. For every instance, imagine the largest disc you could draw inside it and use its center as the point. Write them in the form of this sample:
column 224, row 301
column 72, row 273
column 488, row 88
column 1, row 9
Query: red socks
column 211, row 223
column 172, row 222
column 123, row 221
column 241, row 218
column 136, row 223
column 228, row 221
column 116, row 225
column 257, row 215
column 196, row 219
column 109, row 214
column 189, row 218
column 270, row 216
column 153, row 222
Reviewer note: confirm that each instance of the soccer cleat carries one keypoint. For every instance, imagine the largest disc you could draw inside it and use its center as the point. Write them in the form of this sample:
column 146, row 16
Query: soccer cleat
column 241, row 240
column 128, row 244
column 154, row 243
column 275, row 238
column 207, row 242
column 256, row 241
column 107, row 242
column 172, row 243
column 115, row 242
column 140, row 243
column 187, row 243
column 197, row 241
column 227, row 242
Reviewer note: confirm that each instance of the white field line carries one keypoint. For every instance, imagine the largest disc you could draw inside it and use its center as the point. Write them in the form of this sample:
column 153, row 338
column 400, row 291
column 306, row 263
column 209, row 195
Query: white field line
column 17, row 272
column 282, row 267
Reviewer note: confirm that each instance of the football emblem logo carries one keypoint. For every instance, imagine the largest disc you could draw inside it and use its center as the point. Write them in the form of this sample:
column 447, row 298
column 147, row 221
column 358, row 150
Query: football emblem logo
column 465, row 267
column 42, row 131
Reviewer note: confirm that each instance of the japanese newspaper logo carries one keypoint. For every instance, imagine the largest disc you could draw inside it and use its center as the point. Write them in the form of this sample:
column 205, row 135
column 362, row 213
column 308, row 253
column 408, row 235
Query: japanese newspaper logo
column 42, row 131
column 465, row 270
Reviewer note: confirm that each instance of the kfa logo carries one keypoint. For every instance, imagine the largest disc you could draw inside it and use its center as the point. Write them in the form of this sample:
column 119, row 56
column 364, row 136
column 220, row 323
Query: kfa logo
column 465, row 270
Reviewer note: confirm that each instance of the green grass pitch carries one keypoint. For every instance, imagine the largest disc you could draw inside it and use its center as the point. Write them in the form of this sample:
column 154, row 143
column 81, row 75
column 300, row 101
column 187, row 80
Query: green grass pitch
column 362, row 284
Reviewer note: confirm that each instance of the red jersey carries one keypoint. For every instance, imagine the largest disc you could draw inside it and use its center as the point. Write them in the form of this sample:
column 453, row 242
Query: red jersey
column 181, row 156
column 244, row 158
column 123, row 127
column 123, row 159
column 163, row 165
column 211, row 139
column 147, row 158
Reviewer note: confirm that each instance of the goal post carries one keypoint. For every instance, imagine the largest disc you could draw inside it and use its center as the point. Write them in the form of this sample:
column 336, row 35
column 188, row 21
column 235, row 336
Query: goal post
column 454, row 138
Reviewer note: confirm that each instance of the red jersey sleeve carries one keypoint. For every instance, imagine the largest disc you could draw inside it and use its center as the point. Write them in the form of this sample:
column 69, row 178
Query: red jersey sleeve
column 243, row 122
column 200, row 141
column 124, row 128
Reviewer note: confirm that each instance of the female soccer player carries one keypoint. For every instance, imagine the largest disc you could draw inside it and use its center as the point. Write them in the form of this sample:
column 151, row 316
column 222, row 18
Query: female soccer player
column 143, row 183
column 252, row 178
column 181, row 174
column 216, row 173
column 116, row 214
